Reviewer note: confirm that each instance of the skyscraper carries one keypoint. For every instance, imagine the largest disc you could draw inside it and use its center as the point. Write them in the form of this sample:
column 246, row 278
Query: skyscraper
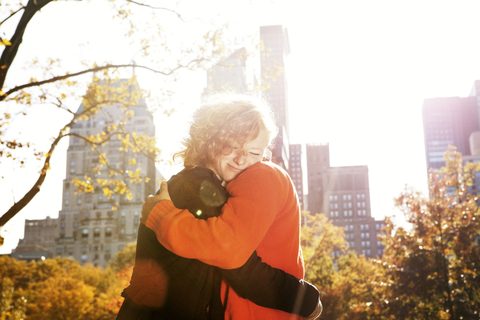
column 343, row 195
column 274, row 82
column 296, row 172
column 88, row 229
column 448, row 121
column 229, row 74
column 318, row 160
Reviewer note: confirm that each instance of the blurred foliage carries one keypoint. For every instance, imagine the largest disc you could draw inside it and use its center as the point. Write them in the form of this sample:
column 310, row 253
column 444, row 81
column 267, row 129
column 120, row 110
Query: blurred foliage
column 430, row 268
column 62, row 289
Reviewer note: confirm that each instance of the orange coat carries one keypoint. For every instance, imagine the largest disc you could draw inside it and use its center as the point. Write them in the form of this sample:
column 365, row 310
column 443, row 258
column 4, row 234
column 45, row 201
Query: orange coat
column 262, row 214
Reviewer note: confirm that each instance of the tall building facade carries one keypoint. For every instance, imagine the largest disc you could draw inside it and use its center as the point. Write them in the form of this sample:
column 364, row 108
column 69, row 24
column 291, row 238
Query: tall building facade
column 448, row 121
column 229, row 74
column 88, row 229
column 274, row 82
column 343, row 195
column 38, row 242
column 318, row 161
column 296, row 172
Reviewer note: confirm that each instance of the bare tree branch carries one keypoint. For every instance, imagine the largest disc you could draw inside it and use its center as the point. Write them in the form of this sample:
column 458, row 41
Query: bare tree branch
column 108, row 66
column 36, row 187
column 13, row 13
column 157, row 8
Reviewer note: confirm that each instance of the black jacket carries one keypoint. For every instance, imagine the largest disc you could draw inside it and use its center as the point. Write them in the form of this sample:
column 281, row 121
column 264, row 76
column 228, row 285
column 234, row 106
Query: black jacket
column 167, row 286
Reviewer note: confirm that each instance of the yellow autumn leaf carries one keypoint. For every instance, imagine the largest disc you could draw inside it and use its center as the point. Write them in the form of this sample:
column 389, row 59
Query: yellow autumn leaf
column 6, row 42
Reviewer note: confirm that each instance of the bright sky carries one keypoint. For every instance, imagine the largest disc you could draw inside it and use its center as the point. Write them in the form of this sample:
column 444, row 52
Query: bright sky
column 357, row 76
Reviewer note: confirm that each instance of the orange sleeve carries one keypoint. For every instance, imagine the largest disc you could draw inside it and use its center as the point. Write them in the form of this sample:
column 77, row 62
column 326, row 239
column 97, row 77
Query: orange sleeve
column 229, row 240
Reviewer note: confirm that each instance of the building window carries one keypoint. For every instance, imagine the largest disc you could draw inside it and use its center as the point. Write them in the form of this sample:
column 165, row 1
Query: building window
column 108, row 232
column 84, row 258
column 85, row 233
column 96, row 234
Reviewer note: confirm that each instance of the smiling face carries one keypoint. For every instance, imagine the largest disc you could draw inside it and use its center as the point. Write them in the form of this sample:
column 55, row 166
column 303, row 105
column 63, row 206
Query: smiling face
column 234, row 161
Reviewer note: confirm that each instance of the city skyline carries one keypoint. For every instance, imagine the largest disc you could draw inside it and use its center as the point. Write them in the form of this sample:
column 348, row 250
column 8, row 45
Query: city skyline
column 358, row 75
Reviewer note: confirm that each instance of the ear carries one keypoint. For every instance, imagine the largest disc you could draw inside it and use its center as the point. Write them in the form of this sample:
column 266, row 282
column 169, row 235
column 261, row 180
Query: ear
column 267, row 155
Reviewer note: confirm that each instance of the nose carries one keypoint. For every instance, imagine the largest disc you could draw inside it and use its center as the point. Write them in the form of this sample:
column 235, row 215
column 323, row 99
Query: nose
column 240, row 159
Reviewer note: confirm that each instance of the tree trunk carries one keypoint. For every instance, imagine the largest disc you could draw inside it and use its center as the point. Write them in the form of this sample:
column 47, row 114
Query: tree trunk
column 10, row 51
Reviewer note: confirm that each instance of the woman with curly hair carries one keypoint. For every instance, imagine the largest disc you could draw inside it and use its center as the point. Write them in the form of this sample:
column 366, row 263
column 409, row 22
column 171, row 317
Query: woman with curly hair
column 194, row 274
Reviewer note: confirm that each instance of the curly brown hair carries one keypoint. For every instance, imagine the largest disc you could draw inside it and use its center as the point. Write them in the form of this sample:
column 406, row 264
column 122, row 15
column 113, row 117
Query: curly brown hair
column 225, row 119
